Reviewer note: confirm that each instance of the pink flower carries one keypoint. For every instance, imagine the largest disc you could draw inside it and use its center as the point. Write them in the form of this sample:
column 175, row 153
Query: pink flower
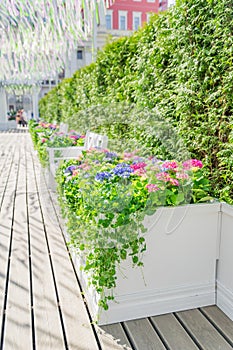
column 84, row 166
column 75, row 172
column 163, row 176
column 152, row 188
column 43, row 140
column 170, row 165
column 182, row 176
column 138, row 166
column 129, row 155
column 192, row 163
column 174, row 182
column 140, row 172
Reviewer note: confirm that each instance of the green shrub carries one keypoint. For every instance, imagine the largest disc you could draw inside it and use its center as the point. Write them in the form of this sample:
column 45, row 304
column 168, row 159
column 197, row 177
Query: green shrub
column 180, row 68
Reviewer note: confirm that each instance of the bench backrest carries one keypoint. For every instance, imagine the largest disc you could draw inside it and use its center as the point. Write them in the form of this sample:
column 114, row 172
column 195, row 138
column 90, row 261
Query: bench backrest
column 63, row 127
column 59, row 153
column 95, row 140
column 56, row 154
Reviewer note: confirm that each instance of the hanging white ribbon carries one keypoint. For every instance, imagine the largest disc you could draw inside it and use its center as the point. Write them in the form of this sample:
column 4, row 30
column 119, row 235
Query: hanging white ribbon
column 37, row 35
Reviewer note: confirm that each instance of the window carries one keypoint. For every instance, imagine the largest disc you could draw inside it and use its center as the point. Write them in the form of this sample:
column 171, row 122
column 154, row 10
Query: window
column 136, row 20
column 122, row 20
column 148, row 16
column 171, row 3
column 79, row 54
column 108, row 21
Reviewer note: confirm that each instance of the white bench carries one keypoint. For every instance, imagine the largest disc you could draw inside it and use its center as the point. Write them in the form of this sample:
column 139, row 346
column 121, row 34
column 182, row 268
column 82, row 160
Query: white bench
column 57, row 154
column 63, row 128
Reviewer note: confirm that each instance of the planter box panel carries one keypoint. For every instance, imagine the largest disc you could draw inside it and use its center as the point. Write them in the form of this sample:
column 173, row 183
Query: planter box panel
column 225, row 264
column 179, row 266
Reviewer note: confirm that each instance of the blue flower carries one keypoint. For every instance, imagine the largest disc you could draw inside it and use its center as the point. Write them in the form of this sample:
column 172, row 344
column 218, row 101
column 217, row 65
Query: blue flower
column 122, row 170
column 138, row 160
column 70, row 169
column 110, row 155
column 103, row 176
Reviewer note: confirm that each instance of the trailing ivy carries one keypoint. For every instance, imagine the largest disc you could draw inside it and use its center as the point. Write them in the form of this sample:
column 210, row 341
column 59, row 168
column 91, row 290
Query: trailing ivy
column 105, row 197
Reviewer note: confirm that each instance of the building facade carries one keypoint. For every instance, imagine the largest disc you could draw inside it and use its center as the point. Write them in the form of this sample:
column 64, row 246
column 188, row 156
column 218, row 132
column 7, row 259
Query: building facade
column 120, row 19
column 131, row 14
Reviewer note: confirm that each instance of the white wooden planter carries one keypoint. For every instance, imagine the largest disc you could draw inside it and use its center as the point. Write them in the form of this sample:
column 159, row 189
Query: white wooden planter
column 56, row 155
column 179, row 270
column 225, row 264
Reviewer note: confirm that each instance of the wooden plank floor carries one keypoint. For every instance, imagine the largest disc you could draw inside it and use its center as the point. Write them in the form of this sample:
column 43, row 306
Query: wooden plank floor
column 41, row 302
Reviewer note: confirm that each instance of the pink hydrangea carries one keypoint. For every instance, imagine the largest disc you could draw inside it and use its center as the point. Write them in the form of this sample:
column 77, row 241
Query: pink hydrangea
column 84, row 166
column 182, row 176
column 75, row 172
column 138, row 166
column 170, row 165
column 140, row 172
column 163, row 176
column 174, row 182
column 129, row 155
column 192, row 163
column 152, row 187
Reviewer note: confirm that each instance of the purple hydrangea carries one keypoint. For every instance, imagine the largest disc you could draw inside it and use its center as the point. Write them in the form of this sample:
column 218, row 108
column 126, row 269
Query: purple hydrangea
column 122, row 170
column 110, row 156
column 105, row 175
column 69, row 169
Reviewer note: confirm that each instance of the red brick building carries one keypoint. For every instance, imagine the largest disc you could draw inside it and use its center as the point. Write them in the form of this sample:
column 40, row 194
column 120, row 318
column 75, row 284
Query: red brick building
column 131, row 14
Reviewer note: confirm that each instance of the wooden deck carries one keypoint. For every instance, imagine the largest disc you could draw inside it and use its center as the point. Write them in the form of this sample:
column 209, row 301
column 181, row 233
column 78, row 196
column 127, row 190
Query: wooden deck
column 41, row 302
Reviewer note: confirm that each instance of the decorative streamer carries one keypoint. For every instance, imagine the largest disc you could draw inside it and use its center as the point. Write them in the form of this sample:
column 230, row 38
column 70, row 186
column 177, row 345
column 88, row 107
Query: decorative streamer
column 36, row 36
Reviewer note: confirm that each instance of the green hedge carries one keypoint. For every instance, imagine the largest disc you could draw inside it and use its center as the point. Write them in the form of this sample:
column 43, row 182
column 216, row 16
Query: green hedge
column 177, row 71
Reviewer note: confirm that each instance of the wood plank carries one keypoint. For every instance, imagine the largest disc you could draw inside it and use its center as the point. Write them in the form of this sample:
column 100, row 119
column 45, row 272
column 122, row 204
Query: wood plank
column 79, row 332
column 6, row 213
column 18, row 333
column 48, row 329
column 110, row 342
column 172, row 332
column 117, row 332
column 143, row 336
column 6, row 158
column 221, row 321
column 202, row 331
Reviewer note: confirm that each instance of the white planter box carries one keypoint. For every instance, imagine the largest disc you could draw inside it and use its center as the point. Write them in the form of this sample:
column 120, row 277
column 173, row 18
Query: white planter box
column 56, row 155
column 179, row 270
column 225, row 264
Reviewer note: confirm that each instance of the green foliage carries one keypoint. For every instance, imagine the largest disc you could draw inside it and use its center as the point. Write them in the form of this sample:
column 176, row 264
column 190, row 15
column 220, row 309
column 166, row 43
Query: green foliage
column 180, row 68
column 105, row 198
column 45, row 135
